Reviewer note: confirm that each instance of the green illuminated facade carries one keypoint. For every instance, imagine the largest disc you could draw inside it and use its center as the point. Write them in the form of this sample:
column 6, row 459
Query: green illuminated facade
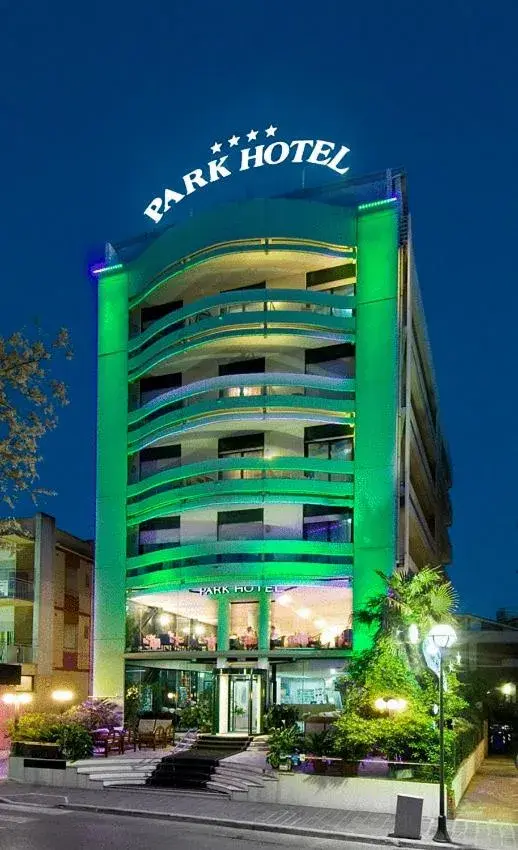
column 268, row 442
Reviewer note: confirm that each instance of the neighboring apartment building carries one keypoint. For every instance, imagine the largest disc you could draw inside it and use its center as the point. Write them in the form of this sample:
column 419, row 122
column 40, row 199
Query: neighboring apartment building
column 268, row 442
column 490, row 649
column 46, row 592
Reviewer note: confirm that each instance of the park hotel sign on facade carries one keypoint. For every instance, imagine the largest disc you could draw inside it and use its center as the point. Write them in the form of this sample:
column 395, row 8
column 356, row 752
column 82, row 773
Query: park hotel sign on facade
column 274, row 152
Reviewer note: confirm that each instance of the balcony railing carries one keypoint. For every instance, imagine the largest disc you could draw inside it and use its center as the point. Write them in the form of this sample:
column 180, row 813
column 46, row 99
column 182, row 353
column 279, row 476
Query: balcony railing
column 268, row 311
column 13, row 587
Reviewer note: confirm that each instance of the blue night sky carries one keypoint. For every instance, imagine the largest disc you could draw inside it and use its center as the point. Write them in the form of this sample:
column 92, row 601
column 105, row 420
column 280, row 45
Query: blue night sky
column 104, row 103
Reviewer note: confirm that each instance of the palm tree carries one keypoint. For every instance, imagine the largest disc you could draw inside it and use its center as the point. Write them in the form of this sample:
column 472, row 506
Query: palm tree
column 423, row 598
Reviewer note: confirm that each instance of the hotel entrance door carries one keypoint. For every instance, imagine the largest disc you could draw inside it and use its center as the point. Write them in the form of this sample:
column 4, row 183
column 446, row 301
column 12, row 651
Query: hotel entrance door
column 241, row 694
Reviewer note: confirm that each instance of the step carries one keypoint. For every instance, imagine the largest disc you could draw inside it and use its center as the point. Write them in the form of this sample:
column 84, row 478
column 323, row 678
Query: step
column 117, row 783
column 105, row 777
column 106, row 768
column 239, row 774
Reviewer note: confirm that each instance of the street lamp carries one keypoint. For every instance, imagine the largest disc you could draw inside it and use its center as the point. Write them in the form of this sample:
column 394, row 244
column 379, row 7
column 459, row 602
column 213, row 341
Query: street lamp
column 442, row 637
column 62, row 697
column 391, row 706
column 16, row 700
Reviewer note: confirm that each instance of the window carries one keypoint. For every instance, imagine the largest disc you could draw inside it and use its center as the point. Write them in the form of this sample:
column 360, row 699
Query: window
column 316, row 616
column 158, row 534
column 171, row 621
column 69, row 635
column 157, row 385
column 71, row 576
column 331, row 361
column 328, row 442
column 154, row 460
column 246, row 447
column 328, row 524
column 336, row 280
column 243, row 625
column 241, row 525
column 242, row 367
column 246, row 306
column 308, row 683
column 152, row 314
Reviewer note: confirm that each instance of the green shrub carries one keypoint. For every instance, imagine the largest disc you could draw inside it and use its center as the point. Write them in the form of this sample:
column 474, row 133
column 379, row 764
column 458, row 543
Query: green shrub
column 74, row 740
column 198, row 715
column 283, row 742
column 319, row 743
column 280, row 717
column 96, row 713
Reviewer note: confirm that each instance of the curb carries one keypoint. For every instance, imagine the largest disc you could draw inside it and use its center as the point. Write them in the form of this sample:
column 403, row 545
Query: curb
column 308, row 832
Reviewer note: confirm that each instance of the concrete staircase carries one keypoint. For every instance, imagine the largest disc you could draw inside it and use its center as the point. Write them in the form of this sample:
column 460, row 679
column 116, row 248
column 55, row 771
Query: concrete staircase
column 235, row 767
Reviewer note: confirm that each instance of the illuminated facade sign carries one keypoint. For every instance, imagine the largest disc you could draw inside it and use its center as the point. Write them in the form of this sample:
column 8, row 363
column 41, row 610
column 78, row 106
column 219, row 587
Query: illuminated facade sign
column 221, row 590
column 313, row 151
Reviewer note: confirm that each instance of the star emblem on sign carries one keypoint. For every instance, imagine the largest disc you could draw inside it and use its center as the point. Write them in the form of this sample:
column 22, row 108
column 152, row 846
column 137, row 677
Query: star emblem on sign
column 271, row 130
column 233, row 141
column 252, row 135
column 216, row 147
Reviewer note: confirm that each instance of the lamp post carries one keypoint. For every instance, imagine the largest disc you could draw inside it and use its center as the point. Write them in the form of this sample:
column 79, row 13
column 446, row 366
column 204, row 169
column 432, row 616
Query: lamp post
column 443, row 637
column 62, row 697
column 16, row 700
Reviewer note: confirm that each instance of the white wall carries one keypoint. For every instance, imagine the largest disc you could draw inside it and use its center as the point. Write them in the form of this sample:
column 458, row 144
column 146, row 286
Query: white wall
column 355, row 793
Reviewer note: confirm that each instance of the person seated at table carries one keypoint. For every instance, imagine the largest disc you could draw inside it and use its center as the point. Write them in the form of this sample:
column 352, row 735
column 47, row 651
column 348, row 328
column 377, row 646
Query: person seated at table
column 275, row 637
column 249, row 638
column 234, row 642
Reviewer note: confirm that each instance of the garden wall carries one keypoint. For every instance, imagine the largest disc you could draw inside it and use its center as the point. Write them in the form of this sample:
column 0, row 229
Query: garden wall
column 465, row 774
column 355, row 793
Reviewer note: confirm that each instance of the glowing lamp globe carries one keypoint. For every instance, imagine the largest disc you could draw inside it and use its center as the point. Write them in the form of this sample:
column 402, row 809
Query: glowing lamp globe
column 443, row 635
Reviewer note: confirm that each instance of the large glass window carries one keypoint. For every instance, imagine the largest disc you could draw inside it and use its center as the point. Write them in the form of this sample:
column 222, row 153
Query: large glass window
column 308, row 683
column 315, row 616
column 328, row 524
column 243, row 625
column 153, row 460
column 176, row 621
column 157, row 385
column 150, row 315
column 247, row 446
column 328, row 442
column 241, row 525
column 242, row 367
column 331, row 361
column 159, row 534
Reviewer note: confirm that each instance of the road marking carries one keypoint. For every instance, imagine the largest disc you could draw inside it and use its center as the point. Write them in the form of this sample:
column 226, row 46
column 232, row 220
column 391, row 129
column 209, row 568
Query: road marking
column 28, row 808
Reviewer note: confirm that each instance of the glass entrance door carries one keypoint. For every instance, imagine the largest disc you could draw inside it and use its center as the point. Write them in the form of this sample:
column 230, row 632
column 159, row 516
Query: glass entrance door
column 244, row 703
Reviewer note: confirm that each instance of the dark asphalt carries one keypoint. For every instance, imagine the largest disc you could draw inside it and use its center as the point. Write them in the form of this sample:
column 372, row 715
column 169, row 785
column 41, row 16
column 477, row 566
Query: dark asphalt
column 25, row 828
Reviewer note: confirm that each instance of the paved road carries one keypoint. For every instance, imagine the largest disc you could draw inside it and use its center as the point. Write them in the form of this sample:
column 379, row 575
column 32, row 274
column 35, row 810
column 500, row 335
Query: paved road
column 41, row 828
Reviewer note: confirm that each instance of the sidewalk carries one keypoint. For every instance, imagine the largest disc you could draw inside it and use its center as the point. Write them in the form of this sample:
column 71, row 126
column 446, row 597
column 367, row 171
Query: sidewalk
column 208, row 808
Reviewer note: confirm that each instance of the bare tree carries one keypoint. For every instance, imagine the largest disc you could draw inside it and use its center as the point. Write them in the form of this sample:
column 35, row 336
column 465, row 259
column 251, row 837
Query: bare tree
column 29, row 398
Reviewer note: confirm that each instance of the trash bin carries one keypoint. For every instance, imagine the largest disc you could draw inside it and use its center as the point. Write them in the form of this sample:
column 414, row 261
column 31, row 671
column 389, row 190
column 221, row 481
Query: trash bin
column 409, row 814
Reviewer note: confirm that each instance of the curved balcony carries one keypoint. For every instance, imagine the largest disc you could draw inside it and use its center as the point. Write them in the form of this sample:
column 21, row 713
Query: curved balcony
column 196, row 485
column 270, row 561
column 242, row 313
column 281, row 395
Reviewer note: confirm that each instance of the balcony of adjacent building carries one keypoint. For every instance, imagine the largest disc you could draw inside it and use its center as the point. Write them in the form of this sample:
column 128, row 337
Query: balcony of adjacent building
column 15, row 589
column 264, row 318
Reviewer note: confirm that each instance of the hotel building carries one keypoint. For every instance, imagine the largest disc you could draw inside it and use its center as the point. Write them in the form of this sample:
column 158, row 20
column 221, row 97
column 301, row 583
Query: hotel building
column 268, row 443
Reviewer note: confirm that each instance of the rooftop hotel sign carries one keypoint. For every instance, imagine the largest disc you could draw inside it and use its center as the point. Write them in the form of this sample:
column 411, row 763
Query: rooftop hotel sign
column 271, row 151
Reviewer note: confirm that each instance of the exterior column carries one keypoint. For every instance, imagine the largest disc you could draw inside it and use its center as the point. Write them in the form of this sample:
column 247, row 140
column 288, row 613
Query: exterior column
column 112, row 470
column 223, row 623
column 43, row 611
column 377, row 371
column 263, row 627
